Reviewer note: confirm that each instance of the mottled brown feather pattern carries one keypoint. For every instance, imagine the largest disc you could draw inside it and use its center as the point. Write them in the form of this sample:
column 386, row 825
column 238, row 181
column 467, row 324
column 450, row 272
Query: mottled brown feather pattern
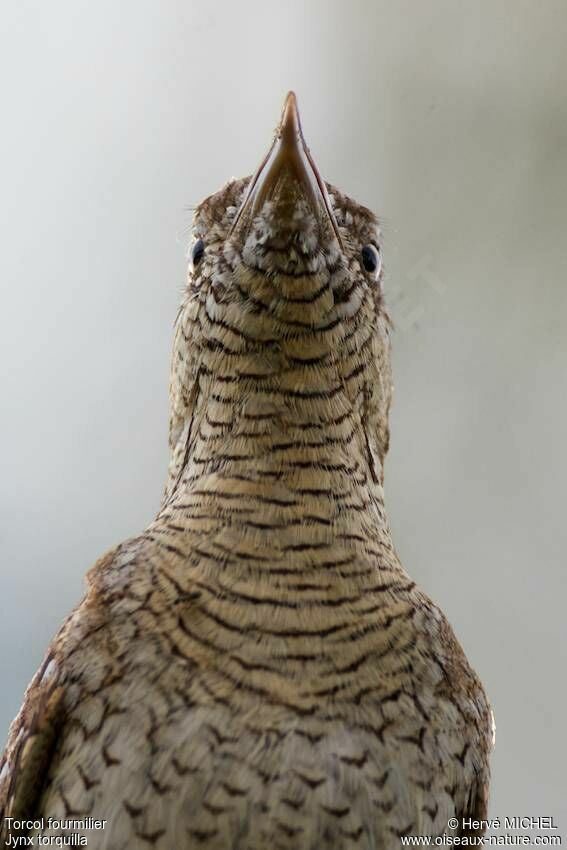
column 257, row 669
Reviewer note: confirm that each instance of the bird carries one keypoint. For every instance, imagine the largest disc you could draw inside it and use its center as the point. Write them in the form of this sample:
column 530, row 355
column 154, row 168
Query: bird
column 256, row 669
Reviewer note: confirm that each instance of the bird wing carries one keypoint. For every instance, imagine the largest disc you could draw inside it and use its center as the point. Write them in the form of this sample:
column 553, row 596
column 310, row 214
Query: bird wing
column 476, row 808
column 31, row 741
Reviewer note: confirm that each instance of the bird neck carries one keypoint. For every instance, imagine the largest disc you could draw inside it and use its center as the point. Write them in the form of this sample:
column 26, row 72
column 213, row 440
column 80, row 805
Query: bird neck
column 302, row 464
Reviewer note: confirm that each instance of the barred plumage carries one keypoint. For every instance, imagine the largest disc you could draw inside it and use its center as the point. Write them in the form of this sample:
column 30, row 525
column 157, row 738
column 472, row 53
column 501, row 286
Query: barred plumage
column 257, row 669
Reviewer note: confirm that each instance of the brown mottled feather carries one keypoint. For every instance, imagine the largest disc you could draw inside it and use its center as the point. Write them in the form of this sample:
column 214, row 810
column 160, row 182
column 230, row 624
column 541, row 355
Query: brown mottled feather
column 32, row 740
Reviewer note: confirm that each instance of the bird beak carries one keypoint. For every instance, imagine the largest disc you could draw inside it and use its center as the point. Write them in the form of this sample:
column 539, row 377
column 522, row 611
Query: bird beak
column 287, row 174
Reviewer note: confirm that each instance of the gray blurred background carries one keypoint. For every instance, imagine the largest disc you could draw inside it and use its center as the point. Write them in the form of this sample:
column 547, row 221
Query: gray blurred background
column 450, row 120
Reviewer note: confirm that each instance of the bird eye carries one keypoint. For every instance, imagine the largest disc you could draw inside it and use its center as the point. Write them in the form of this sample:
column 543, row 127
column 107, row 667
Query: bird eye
column 197, row 251
column 371, row 259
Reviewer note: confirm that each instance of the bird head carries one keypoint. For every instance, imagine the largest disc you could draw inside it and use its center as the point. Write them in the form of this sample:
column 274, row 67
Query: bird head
column 284, row 290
